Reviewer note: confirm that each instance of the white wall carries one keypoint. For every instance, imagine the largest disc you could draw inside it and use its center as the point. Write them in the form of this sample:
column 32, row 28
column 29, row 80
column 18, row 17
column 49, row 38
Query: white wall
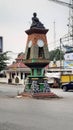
column 3, row 80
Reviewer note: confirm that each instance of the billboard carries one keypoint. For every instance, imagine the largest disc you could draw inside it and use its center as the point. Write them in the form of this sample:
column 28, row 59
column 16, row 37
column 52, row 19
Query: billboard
column 1, row 44
column 68, row 64
column 68, row 56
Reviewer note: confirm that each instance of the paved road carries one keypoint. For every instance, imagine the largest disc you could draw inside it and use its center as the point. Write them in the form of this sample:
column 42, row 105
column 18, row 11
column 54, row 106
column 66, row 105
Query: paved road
column 7, row 90
column 32, row 114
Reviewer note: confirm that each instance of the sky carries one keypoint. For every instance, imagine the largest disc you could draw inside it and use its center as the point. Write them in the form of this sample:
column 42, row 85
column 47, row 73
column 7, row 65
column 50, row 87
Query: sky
column 15, row 19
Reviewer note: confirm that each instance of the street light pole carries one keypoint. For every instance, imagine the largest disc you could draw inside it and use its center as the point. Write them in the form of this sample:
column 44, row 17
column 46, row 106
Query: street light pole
column 60, row 53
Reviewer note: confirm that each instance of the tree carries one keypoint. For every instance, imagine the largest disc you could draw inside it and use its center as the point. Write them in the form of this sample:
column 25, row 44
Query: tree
column 21, row 53
column 3, row 60
column 56, row 54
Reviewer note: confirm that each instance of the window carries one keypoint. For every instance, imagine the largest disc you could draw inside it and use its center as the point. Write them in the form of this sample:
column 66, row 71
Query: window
column 28, row 54
column 17, row 73
column 21, row 75
column 13, row 74
column 41, row 52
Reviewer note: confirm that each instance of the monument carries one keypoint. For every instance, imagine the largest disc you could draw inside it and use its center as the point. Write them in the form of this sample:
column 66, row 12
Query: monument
column 36, row 58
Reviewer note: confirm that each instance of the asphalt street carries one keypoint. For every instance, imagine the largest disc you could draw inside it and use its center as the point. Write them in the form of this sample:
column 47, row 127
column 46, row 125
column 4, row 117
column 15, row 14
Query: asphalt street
column 31, row 114
column 7, row 90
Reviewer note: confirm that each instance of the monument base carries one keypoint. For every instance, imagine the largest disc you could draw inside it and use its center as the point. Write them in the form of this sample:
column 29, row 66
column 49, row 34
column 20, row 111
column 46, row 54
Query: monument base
column 40, row 95
column 38, row 89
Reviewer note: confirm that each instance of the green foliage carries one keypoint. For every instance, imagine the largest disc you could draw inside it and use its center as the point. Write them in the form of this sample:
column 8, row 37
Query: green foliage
column 56, row 54
column 3, row 59
column 21, row 53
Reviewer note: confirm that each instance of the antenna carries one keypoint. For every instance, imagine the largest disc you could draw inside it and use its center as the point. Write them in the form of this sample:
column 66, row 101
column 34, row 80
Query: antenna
column 70, row 25
column 54, row 34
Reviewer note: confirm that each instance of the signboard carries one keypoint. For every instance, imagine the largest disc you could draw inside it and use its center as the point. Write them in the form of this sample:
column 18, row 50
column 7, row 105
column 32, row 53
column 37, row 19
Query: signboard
column 68, row 56
column 1, row 44
column 68, row 64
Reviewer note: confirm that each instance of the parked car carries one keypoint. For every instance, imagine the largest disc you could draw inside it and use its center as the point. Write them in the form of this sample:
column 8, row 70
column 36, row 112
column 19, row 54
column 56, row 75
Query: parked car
column 67, row 86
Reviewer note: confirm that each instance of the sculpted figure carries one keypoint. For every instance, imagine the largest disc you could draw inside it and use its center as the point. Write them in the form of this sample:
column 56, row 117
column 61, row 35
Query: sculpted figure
column 35, row 87
column 46, row 87
column 35, row 22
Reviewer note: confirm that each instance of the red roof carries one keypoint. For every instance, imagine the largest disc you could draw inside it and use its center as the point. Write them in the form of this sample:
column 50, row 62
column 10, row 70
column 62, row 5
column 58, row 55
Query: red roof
column 21, row 57
column 19, row 62
column 17, row 65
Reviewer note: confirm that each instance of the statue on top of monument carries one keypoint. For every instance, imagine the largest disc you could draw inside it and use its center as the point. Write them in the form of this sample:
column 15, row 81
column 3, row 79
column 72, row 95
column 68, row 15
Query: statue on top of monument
column 36, row 23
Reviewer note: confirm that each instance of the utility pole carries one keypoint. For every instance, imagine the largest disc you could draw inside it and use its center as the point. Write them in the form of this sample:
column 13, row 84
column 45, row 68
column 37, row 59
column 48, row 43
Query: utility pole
column 54, row 33
column 60, row 54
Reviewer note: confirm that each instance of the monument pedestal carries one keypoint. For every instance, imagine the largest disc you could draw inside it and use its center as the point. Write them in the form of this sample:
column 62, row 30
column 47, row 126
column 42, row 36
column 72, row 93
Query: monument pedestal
column 40, row 95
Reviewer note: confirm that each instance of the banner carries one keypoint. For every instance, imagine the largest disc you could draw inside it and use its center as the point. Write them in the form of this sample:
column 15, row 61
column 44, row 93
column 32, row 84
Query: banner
column 68, row 56
column 68, row 64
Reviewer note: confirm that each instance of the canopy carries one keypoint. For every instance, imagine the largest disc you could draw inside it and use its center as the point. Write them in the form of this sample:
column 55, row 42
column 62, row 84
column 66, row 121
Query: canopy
column 53, row 75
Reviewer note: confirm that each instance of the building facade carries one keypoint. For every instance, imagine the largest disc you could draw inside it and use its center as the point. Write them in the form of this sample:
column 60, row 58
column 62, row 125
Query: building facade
column 17, row 71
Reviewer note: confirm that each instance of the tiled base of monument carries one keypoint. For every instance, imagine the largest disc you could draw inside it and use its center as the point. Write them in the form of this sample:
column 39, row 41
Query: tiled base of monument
column 40, row 95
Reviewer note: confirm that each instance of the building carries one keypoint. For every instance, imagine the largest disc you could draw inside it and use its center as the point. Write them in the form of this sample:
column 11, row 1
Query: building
column 57, row 74
column 17, row 71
